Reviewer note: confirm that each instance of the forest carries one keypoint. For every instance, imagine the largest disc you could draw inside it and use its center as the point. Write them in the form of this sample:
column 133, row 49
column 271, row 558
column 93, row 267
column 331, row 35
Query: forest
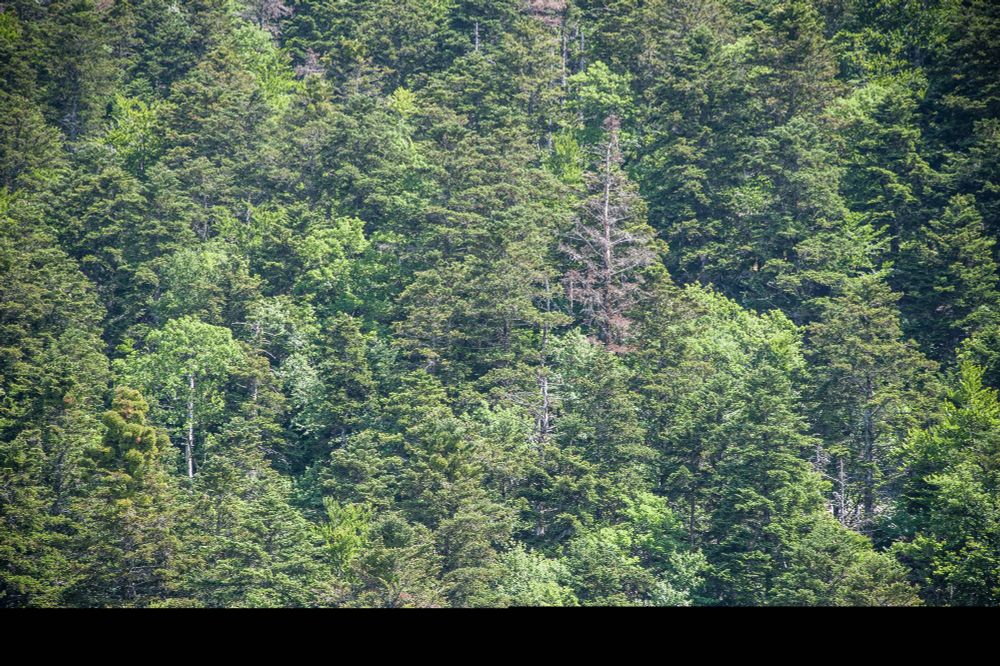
column 498, row 303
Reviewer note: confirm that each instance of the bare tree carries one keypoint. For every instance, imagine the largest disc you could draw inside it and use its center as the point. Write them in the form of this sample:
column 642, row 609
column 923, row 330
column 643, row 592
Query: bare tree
column 267, row 14
column 610, row 245
column 549, row 12
column 310, row 66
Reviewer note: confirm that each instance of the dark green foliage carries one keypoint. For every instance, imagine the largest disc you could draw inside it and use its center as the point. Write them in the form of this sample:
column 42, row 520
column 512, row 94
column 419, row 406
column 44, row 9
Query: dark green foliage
column 951, row 278
column 53, row 378
column 125, row 541
column 869, row 385
column 948, row 509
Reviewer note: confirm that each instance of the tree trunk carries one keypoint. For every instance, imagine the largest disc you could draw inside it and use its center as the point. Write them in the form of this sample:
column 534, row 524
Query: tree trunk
column 189, row 449
column 868, row 456
column 842, row 485
column 868, row 499
column 606, row 221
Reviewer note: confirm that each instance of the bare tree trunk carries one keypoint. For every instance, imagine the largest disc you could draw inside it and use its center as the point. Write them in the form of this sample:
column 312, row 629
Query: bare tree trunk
column 691, row 514
column 544, row 424
column 868, row 500
column 255, row 383
column 842, row 484
column 544, row 420
column 565, row 52
column 189, row 449
column 868, row 457
column 608, row 245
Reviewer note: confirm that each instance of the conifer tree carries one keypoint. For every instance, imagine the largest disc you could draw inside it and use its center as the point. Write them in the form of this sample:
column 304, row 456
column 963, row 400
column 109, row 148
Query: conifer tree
column 609, row 245
column 125, row 541
column 948, row 508
column 868, row 384
column 951, row 278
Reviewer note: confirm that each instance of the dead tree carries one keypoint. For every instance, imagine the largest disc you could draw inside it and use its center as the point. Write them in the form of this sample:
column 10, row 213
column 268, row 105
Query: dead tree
column 609, row 245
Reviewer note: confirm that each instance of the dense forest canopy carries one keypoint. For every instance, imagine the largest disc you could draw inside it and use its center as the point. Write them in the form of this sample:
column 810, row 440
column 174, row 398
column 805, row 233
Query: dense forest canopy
column 499, row 302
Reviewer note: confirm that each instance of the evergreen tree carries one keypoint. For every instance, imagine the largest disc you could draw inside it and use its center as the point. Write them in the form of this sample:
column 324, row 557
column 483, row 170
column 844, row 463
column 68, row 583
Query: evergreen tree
column 868, row 384
column 125, row 540
column 948, row 512
column 394, row 277
column 952, row 278
column 53, row 376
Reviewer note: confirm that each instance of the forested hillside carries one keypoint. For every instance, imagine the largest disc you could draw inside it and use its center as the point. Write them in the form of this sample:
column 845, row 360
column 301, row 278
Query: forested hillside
column 464, row 303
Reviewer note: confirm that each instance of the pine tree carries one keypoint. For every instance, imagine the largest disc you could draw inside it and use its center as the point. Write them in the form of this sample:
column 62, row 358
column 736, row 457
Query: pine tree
column 948, row 510
column 951, row 278
column 609, row 245
column 731, row 452
column 53, row 377
column 868, row 384
column 125, row 542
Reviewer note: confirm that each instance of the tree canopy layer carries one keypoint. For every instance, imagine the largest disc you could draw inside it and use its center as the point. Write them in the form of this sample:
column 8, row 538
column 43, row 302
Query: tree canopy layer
column 467, row 303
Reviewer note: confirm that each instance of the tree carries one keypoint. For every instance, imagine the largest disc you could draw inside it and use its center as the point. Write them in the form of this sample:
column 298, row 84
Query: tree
column 833, row 566
column 267, row 14
column 724, row 408
column 185, row 368
column 393, row 277
column 125, row 542
column 243, row 544
column 531, row 579
column 888, row 179
column 948, row 511
column 53, row 378
column 868, row 384
column 208, row 281
column 609, row 245
column 111, row 225
column 29, row 149
column 951, row 278
column 77, row 71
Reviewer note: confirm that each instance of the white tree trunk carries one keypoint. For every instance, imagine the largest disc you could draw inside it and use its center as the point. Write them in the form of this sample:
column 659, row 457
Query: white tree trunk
column 189, row 449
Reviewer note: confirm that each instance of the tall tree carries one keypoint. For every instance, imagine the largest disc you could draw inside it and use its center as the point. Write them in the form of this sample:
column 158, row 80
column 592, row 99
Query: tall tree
column 185, row 368
column 949, row 510
column 610, row 245
column 868, row 384
column 125, row 542
column 951, row 278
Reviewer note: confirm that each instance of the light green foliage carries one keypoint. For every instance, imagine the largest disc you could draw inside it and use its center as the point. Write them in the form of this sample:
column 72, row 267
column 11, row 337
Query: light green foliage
column 329, row 253
column 207, row 281
column 186, row 368
column 270, row 66
column 530, row 579
column 598, row 93
column 132, row 132
column 131, row 449
column 567, row 160
column 345, row 533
